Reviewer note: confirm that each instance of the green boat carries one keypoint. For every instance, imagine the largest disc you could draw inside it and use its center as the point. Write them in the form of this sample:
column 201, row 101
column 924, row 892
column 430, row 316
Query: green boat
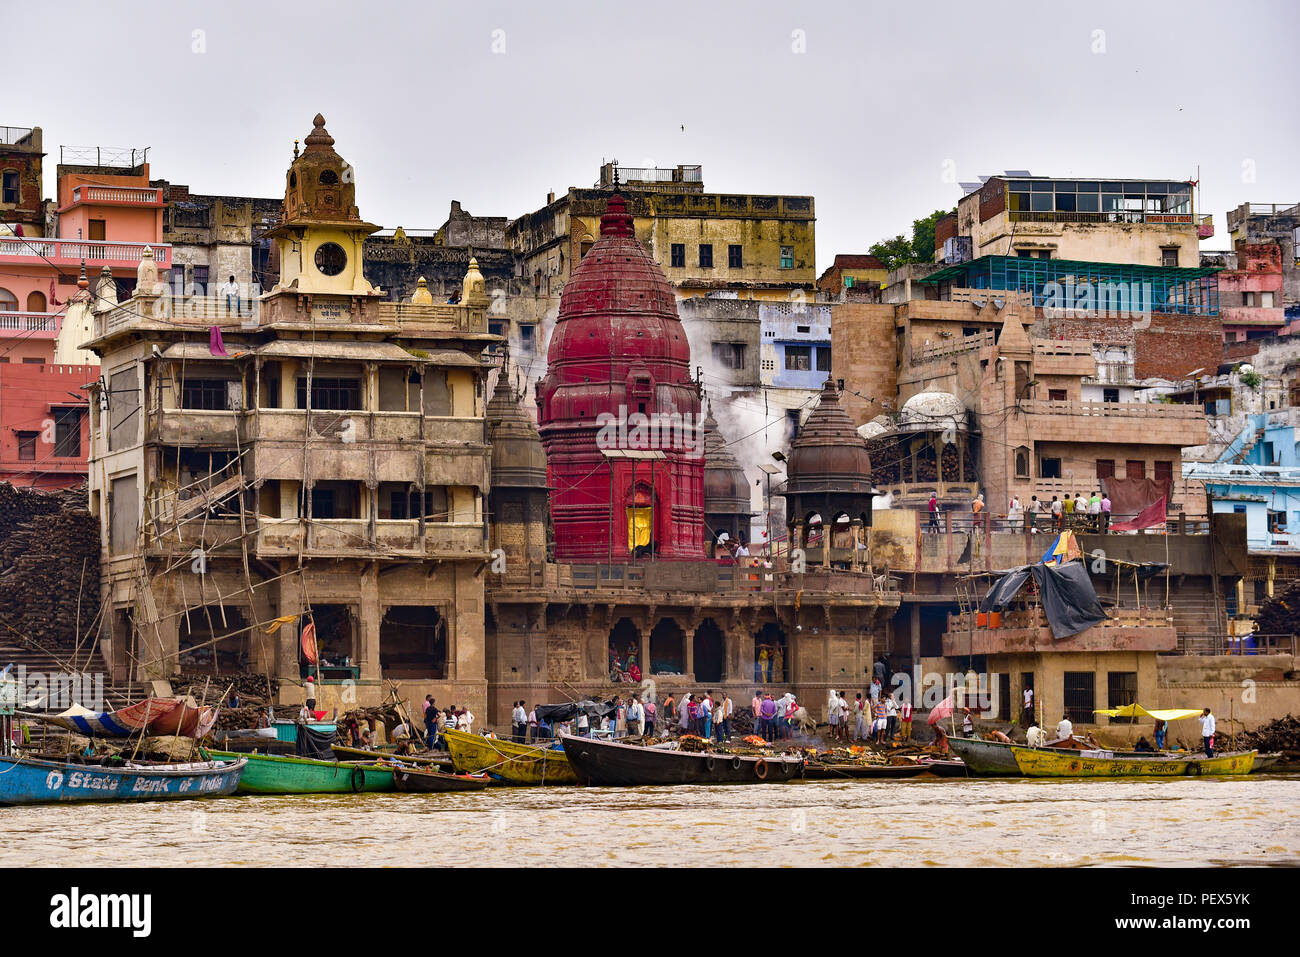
column 281, row 774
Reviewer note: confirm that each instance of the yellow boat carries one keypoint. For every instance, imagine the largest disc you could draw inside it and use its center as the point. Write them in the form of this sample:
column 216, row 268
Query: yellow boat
column 513, row 763
column 1048, row 763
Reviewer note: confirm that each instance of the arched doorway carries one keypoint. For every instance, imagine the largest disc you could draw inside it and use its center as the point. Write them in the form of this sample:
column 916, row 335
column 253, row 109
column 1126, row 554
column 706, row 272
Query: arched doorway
column 771, row 655
column 667, row 648
column 709, row 648
column 36, row 302
column 624, row 647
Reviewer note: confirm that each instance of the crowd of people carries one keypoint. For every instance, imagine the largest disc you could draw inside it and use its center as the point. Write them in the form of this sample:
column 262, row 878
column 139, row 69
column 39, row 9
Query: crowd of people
column 1091, row 513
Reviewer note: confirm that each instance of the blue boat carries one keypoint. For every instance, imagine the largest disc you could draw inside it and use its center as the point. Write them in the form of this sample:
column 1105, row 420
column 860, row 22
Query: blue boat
column 27, row 780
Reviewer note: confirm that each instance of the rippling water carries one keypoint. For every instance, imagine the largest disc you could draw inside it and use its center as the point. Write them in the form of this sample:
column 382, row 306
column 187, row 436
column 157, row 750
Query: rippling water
column 990, row 822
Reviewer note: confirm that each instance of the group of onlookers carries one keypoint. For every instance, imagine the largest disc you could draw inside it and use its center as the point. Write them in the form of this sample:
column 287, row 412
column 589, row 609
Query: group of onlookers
column 1074, row 511
column 879, row 716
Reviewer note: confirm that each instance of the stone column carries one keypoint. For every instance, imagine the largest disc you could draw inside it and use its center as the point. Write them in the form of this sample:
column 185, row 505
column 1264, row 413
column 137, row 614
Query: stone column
column 369, row 616
column 643, row 650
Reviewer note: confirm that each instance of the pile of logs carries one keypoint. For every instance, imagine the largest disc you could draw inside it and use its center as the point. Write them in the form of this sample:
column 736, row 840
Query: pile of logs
column 1280, row 735
column 250, row 688
column 1280, row 615
column 49, row 556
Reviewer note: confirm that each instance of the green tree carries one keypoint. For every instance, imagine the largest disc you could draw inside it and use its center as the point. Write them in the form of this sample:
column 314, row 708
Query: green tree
column 900, row 251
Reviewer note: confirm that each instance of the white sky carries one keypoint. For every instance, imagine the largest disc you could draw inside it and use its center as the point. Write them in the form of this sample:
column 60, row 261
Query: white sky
column 863, row 120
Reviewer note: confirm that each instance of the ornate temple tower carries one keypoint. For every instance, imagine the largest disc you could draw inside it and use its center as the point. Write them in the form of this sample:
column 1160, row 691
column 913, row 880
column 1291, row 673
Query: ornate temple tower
column 726, row 490
column 618, row 412
column 828, row 476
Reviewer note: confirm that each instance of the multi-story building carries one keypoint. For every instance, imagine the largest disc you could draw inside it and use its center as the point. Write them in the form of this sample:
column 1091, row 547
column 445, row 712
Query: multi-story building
column 861, row 273
column 22, row 206
column 311, row 485
column 1139, row 222
column 1250, row 291
column 750, row 246
column 215, row 237
column 1272, row 223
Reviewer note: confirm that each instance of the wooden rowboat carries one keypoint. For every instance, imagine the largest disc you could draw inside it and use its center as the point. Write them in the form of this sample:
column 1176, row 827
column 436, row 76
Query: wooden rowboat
column 985, row 757
column 345, row 753
column 1046, row 763
column 27, row 780
column 608, row 762
column 282, row 774
column 511, row 762
column 415, row 781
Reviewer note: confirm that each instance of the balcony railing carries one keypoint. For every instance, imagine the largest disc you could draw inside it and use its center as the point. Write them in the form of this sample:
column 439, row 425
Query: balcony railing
column 1151, row 410
column 1117, row 372
column 33, row 325
column 69, row 252
column 1113, row 216
column 124, row 195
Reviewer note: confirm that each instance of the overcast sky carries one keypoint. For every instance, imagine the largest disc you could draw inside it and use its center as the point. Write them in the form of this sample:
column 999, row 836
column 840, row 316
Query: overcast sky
column 875, row 109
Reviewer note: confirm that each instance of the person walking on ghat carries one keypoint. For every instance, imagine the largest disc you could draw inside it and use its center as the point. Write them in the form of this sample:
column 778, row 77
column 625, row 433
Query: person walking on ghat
column 1207, row 732
column 859, row 719
column 906, row 713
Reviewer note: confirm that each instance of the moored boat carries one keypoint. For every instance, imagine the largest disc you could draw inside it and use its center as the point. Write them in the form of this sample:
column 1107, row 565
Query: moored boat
column 511, row 762
column 1046, row 763
column 28, row 780
column 610, row 763
column 419, row 781
column 345, row 753
column 985, row 757
column 283, row 774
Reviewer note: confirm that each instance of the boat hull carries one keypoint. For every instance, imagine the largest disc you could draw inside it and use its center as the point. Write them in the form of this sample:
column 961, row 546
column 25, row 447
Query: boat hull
column 610, row 763
column 282, row 774
column 1043, row 763
column 840, row 772
column 345, row 753
column 38, row 781
column 511, row 762
column 985, row 757
column 413, row 781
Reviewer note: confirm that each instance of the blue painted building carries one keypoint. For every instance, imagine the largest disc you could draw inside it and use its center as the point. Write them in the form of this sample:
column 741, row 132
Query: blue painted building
column 1258, row 475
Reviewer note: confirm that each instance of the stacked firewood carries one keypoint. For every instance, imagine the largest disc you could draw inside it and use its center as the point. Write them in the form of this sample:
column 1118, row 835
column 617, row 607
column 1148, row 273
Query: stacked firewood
column 49, row 554
column 249, row 688
column 1280, row 735
column 1280, row 615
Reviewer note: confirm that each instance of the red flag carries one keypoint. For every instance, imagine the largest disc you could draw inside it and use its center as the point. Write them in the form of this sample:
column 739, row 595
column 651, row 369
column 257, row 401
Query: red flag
column 309, row 642
column 1153, row 514
column 942, row 709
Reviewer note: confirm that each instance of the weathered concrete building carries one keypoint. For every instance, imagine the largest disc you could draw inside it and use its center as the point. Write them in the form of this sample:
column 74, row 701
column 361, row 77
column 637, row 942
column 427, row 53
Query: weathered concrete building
column 216, row 237
column 22, row 205
column 754, row 246
column 312, row 483
column 1118, row 221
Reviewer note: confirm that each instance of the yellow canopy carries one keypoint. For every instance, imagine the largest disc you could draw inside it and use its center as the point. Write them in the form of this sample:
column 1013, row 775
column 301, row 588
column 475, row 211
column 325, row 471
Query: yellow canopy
column 1137, row 711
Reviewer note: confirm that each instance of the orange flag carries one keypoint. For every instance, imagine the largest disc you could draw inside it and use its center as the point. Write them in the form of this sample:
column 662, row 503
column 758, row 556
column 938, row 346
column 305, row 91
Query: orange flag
column 309, row 642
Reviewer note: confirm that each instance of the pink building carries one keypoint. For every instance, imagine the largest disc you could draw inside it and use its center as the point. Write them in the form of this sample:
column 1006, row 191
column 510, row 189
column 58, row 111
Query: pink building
column 1250, row 296
column 104, row 215
column 44, row 441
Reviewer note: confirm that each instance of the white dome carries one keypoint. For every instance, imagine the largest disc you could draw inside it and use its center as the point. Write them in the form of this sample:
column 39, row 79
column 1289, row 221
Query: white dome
column 872, row 430
column 933, row 411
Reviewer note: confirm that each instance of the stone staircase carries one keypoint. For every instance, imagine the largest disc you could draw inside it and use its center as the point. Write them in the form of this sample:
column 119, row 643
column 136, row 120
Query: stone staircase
column 38, row 661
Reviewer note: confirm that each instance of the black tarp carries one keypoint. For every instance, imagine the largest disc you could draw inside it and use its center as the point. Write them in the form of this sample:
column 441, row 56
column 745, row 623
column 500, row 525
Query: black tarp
column 1005, row 589
column 314, row 744
column 551, row 713
column 1069, row 600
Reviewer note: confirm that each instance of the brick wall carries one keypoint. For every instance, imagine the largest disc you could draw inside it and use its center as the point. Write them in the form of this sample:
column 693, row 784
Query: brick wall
column 1169, row 347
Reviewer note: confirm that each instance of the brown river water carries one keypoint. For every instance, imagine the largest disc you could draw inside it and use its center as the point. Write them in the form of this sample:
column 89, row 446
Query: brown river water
column 980, row 822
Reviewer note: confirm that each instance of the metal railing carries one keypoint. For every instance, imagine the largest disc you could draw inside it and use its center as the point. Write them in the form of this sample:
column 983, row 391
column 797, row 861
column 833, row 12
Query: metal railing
column 1212, row 643
column 13, row 135
column 103, row 156
column 1112, row 216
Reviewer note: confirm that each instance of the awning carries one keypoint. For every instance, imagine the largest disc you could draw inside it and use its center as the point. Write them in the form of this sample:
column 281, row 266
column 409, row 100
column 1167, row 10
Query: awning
column 1137, row 711
column 1069, row 600
column 195, row 351
column 352, row 351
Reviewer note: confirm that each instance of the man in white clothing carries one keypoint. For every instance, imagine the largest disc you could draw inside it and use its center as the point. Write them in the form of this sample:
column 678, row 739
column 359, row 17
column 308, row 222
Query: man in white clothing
column 1207, row 732
column 1035, row 736
column 1064, row 729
